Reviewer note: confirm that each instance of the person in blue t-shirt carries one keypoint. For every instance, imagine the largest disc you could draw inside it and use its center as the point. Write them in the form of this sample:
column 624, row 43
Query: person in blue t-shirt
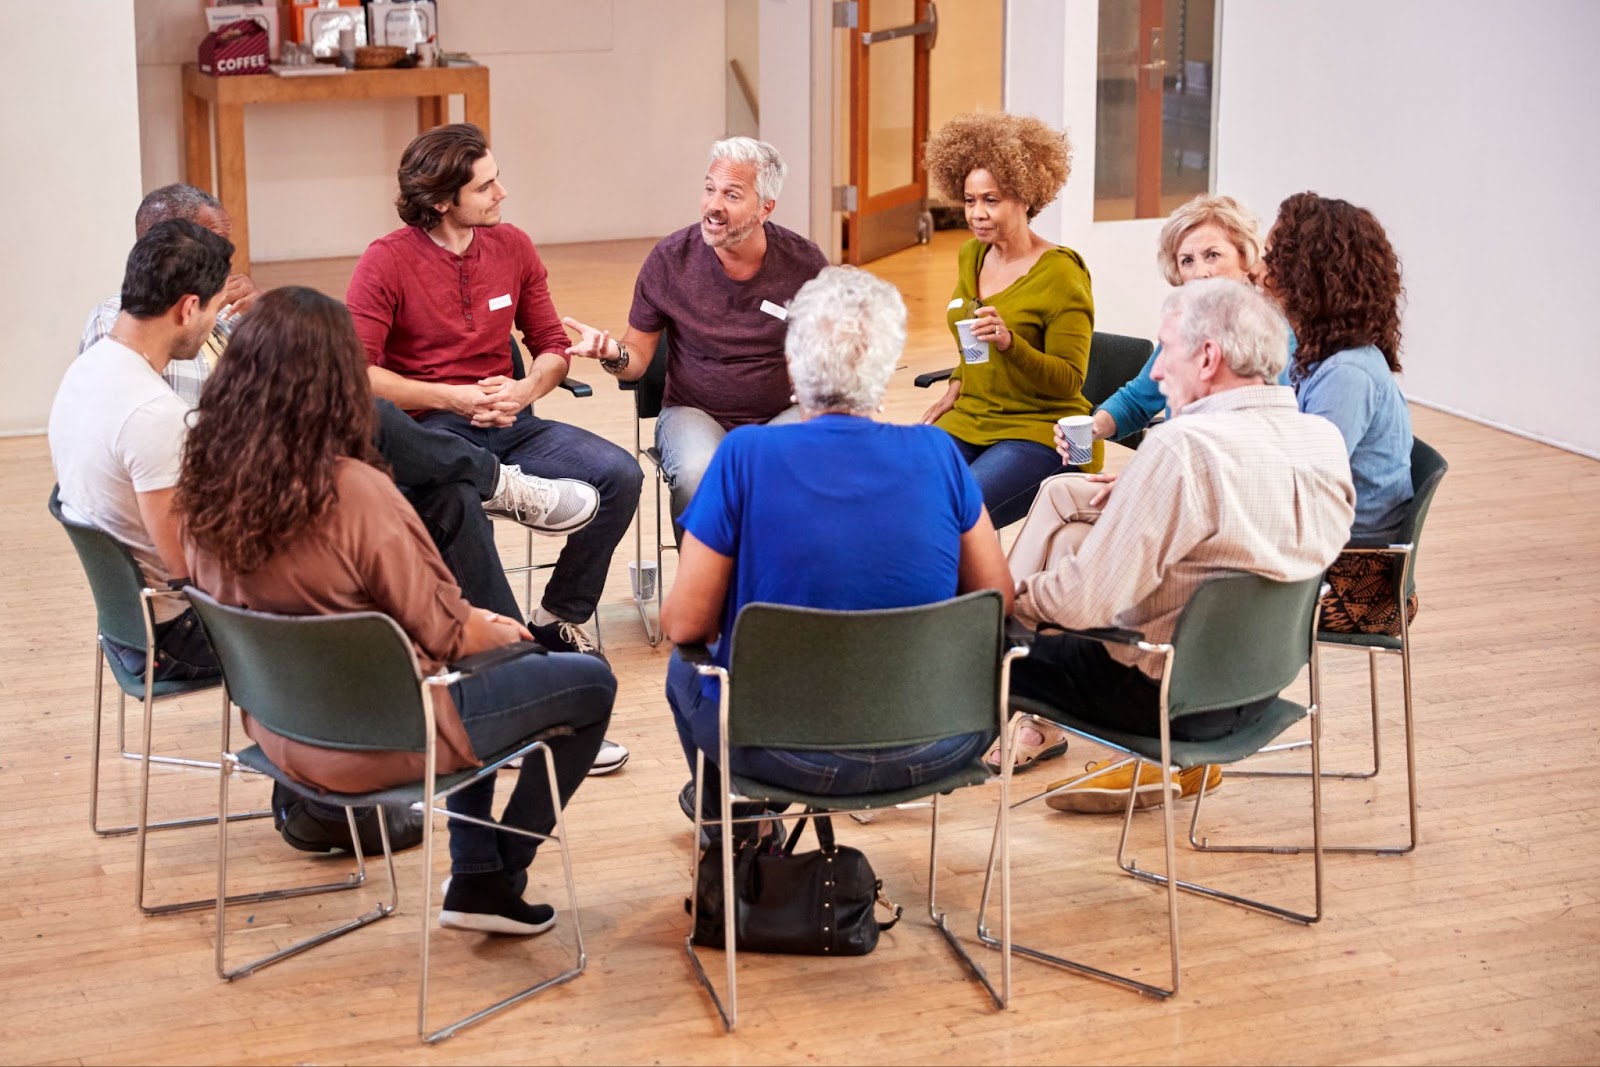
column 837, row 511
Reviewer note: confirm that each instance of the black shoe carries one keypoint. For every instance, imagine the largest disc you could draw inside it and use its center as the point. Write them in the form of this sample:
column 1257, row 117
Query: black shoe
column 710, row 831
column 686, row 800
column 518, row 882
column 488, row 903
column 563, row 636
column 312, row 826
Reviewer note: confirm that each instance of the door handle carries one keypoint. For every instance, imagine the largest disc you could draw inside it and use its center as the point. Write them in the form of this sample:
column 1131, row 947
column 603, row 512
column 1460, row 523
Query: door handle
column 928, row 27
column 1155, row 70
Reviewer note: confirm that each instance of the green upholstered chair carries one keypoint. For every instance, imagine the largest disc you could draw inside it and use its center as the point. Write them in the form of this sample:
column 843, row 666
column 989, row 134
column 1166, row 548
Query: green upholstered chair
column 1427, row 471
column 802, row 678
column 1240, row 639
column 351, row 682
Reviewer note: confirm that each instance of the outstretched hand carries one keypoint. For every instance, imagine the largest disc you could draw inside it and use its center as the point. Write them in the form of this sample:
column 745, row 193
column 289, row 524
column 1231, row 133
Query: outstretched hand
column 592, row 343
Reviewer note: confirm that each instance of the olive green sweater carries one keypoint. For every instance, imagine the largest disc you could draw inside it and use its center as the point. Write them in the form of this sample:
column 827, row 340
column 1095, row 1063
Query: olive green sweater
column 1020, row 393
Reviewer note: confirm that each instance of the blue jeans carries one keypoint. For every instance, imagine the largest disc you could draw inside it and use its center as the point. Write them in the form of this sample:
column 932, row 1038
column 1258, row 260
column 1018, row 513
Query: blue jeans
column 182, row 652
column 1009, row 473
column 549, row 449
column 828, row 773
column 688, row 438
column 500, row 707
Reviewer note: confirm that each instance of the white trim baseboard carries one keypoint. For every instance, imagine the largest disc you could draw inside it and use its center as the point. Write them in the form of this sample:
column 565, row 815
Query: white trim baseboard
column 1480, row 420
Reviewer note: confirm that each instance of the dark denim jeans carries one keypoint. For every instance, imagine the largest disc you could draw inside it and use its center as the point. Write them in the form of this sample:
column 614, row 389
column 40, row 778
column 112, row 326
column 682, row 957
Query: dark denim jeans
column 1078, row 676
column 551, row 449
column 1009, row 473
column 503, row 705
column 827, row 773
column 446, row 478
column 182, row 652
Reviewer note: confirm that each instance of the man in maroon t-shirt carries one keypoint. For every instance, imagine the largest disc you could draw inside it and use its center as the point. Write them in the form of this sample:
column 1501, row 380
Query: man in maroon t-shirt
column 720, row 288
column 434, row 304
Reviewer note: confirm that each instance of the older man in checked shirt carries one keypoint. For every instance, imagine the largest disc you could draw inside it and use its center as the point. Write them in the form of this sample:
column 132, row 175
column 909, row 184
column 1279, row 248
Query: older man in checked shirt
column 1238, row 480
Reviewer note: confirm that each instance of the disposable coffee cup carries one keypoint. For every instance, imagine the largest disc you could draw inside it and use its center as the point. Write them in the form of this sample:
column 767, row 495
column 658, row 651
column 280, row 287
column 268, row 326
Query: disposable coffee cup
column 1079, row 432
column 427, row 54
column 642, row 579
column 972, row 349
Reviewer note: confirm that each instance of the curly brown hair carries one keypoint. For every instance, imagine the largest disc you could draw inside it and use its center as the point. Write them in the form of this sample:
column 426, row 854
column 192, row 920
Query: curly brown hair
column 1028, row 159
column 289, row 398
column 1330, row 264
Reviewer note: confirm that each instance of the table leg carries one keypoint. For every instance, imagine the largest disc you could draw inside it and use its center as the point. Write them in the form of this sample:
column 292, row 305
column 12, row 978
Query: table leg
column 432, row 111
column 475, row 109
column 231, row 180
column 197, row 143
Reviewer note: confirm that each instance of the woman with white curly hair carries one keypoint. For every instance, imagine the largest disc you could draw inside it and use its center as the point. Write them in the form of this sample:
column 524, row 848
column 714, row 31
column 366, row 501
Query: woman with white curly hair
column 838, row 511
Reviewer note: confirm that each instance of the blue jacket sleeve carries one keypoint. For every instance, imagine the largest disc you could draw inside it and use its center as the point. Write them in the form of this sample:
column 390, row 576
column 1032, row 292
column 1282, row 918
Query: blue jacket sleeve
column 1135, row 404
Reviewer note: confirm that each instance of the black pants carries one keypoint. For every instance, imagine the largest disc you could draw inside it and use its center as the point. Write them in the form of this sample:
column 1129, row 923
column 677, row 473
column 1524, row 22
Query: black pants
column 1079, row 677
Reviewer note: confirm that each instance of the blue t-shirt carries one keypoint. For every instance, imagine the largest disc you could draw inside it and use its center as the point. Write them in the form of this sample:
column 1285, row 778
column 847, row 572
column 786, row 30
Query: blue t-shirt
column 838, row 512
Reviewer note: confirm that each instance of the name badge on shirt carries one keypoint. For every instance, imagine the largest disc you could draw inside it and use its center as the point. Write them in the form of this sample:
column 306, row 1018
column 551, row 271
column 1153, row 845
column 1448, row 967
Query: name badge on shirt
column 777, row 312
column 500, row 302
column 957, row 302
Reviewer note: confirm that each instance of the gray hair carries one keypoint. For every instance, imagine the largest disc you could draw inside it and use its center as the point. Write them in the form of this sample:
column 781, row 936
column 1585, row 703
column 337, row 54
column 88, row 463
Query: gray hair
column 175, row 201
column 1249, row 328
column 846, row 330
column 769, row 166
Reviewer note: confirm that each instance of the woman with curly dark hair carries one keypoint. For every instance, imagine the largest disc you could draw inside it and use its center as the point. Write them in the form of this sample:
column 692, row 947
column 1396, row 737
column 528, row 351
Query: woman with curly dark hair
column 283, row 511
column 1330, row 265
column 1030, row 302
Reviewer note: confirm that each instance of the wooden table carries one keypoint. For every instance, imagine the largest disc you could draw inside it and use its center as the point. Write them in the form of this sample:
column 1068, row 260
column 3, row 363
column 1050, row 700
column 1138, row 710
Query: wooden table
column 210, row 102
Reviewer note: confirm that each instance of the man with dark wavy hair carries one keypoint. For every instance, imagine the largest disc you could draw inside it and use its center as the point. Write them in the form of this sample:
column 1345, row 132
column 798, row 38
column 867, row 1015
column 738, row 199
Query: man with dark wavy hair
column 435, row 303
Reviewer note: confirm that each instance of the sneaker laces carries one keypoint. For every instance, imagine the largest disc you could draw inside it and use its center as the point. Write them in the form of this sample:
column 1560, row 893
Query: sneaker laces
column 530, row 497
column 573, row 635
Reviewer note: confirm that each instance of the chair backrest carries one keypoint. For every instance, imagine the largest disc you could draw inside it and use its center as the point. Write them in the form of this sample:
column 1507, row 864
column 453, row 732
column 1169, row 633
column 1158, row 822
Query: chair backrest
column 651, row 388
column 806, row 678
column 338, row 681
column 1427, row 471
column 1241, row 638
column 115, row 580
column 1114, row 360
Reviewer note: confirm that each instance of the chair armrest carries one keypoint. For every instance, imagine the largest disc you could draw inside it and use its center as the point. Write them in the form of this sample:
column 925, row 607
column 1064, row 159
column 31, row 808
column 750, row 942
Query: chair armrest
column 576, row 388
column 1108, row 635
column 628, row 387
column 694, row 652
column 925, row 380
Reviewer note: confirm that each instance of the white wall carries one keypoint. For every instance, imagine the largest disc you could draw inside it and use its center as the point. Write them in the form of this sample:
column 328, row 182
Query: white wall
column 1468, row 128
column 71, row 222
column 601, row 110
column 1465, row 125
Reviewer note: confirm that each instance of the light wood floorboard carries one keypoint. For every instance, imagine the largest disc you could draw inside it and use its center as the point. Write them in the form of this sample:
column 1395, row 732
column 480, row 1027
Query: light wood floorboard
column 1481, row 947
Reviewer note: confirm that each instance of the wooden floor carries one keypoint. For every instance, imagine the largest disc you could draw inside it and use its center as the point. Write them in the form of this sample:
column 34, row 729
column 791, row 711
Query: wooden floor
column 1483, row 946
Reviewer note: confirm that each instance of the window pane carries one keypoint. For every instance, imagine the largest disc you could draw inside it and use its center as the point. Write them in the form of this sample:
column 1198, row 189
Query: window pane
column 1156, row 70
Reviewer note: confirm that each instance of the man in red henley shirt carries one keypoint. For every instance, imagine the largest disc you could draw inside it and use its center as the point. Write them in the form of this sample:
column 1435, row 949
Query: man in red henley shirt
column 434, row 304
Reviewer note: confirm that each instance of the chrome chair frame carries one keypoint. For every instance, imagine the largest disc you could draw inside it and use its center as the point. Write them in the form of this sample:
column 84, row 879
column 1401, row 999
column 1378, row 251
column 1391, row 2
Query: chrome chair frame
column 645, row 390
column 1130, row 866
column 430, row 691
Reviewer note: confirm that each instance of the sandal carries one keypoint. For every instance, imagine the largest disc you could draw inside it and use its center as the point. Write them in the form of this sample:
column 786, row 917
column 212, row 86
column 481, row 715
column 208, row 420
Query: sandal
column 1052, row 743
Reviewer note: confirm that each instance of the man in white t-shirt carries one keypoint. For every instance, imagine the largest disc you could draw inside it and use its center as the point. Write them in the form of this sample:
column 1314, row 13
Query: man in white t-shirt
column 117, row 428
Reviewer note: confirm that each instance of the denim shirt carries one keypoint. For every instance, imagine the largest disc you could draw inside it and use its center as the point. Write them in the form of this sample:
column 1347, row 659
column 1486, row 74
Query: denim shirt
column 1136, row 404
column 1355, row 391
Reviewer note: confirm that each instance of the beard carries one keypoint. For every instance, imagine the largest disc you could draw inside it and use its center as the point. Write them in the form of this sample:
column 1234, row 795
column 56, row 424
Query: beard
column 730, row 236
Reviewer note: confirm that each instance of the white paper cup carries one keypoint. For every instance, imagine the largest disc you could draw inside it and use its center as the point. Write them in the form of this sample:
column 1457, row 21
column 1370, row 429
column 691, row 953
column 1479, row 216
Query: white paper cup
column 642, row 577
column 1079, row 432
column 972, row 349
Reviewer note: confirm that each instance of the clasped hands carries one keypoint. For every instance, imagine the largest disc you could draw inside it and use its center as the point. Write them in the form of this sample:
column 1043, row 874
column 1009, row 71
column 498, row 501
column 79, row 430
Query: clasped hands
column 492, row 401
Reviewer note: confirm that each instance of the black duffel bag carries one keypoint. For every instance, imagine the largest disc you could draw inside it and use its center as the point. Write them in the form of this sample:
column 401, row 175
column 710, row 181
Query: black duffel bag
column 807, row 904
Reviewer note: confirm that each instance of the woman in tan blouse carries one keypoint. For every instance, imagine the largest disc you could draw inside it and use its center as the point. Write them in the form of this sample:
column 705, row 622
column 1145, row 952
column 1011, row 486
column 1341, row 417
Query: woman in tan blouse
column 283, row 511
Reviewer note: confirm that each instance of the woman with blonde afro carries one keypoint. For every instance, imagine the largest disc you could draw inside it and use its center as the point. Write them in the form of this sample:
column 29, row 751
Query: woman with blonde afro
column 1031, row 300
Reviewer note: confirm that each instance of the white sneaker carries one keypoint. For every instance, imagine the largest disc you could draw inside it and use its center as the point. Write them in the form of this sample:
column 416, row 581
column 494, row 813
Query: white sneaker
column 610, row 758
column 544, row 505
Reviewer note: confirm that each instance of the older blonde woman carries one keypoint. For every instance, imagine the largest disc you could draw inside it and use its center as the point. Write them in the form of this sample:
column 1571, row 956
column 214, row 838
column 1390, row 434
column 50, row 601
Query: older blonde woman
column 1031, row 298
column 1208, row 237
